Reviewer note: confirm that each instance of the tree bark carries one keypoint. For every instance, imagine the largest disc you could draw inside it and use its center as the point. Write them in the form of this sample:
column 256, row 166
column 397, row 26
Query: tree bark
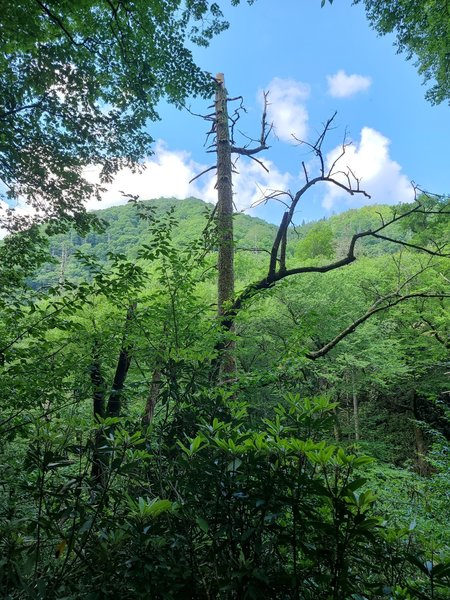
column 152, row 398
column 423, row 467
column 224, row 220
column 355, row 408
column 123, row 364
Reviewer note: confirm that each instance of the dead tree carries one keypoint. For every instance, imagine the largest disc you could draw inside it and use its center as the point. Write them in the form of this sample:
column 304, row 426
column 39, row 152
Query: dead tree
column 112, row 408
column 223, row 145
column 278, row 269
column 123, row 364
column 224, row 217
column 224, row 211
column 99, row 464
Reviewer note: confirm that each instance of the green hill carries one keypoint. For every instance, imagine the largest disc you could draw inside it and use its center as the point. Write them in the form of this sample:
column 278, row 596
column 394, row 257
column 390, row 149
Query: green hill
column 125, row 232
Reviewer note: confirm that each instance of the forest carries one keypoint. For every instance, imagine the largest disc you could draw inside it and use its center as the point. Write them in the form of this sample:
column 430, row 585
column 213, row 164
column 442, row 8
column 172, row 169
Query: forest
column 197, row 403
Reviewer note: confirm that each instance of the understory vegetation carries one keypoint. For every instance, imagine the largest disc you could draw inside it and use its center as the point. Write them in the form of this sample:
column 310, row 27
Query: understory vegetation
column 132, row 466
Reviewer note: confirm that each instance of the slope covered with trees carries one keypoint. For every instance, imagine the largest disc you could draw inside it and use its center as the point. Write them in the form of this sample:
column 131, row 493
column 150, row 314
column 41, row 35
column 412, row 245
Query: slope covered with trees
column 125, row 232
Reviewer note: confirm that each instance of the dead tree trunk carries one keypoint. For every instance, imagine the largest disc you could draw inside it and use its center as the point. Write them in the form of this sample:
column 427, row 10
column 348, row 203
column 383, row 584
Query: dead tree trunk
column 123, row 364
column 355, row 407
column 224, row 148
column 224, row 219
column 100, row 458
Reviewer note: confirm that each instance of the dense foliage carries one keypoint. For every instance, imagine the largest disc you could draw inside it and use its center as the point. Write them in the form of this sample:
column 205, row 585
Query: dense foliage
column 79, row 82
column 130, row 470
column 133, row 464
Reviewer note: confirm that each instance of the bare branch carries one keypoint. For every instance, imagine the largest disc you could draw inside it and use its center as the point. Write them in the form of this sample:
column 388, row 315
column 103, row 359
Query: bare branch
column 203, row 173
column 272, row 195
column 305, row 171
column 317, row 146
column 347, row 188
column 344, row 147
column 414, row 246
column 391, row 300
column 260, row 162
column 208, row 117
column 274, row 252
column 262, row 142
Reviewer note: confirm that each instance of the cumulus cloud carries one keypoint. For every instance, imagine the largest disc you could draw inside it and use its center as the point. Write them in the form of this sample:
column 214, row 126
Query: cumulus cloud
column 286, row 108
column 342, row 85
column 380, row 176
column 168, row 173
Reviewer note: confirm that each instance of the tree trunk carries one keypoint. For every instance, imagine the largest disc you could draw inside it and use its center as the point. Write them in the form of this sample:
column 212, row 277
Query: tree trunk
column 123, row 364
column 224, row 220
column 355, row 408
column 99, row 464
column 337, row 426
column 423, row 467
column 152, row 398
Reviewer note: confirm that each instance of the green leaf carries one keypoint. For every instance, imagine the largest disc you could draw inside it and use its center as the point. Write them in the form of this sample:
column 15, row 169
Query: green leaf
column 202, row 524
column 356, row 484
column 417, row 562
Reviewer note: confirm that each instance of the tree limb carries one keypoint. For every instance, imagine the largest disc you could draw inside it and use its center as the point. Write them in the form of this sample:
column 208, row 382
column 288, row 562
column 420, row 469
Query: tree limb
column 391, row 300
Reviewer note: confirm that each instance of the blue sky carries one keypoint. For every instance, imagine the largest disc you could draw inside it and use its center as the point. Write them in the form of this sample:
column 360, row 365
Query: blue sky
column 313, row 61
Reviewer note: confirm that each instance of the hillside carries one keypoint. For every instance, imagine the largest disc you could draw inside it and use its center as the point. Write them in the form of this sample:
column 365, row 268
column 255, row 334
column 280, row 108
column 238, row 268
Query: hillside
column 125, row 232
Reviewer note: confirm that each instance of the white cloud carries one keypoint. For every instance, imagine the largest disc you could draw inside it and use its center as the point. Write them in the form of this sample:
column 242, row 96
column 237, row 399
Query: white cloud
column 286, row 108
column 167, row 174
column 342, row 85
column 381, row 177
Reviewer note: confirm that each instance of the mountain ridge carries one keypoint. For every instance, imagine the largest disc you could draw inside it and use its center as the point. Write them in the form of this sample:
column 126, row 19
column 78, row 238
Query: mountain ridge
column 125, row 232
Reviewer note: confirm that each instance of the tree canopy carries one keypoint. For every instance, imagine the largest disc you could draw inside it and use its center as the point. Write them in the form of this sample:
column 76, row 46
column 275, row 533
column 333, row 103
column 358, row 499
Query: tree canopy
column 423, row 33
column 79, row 82
column 134, row 465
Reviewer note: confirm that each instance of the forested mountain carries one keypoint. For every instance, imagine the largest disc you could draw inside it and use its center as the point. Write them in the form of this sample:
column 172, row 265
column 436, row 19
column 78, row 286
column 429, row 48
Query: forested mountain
column 125, row 232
